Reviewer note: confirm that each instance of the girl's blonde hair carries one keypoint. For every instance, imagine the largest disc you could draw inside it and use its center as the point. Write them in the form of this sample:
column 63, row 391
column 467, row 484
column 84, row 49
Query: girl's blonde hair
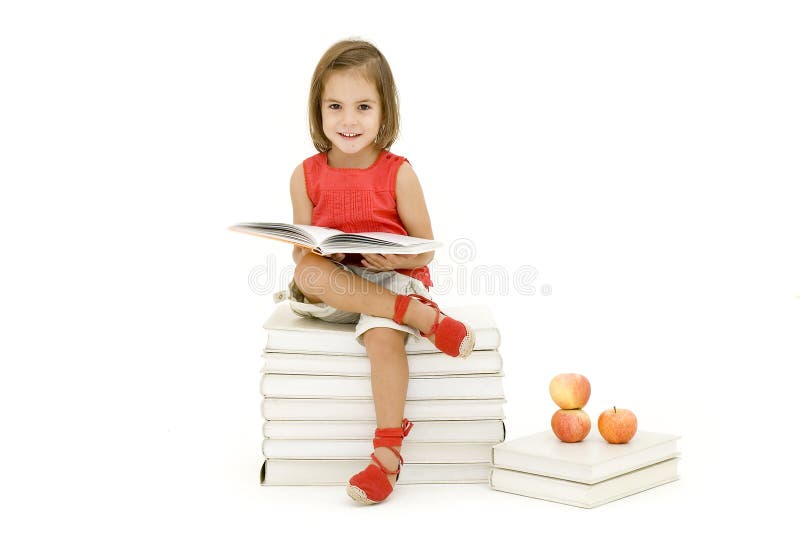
column 365, row 58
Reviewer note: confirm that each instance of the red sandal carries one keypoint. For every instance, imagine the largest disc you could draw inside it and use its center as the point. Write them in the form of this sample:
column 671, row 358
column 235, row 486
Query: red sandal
column 452, row 337
column 371, row 484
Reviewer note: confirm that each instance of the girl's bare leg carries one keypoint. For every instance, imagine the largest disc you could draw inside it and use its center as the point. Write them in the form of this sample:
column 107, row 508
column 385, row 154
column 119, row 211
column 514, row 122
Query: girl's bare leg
column 389, row 364
column 321, row 280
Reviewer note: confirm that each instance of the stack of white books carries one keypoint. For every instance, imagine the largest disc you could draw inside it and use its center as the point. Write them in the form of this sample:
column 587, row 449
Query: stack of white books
column 319, row 418
column 587, row 473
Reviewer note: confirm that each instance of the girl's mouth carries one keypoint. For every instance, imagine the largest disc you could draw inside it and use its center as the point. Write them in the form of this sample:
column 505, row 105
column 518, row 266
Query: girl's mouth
column 350, row 136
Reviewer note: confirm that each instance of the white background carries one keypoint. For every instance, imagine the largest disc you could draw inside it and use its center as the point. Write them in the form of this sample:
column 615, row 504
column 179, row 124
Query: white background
column 641, row 156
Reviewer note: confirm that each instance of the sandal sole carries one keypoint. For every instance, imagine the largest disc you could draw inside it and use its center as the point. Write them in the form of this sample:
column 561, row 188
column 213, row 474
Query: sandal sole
column 359, row 495
column 467, row 345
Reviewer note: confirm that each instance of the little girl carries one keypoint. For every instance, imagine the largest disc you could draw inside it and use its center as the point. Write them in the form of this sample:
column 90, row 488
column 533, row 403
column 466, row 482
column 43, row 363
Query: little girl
column 355, row 184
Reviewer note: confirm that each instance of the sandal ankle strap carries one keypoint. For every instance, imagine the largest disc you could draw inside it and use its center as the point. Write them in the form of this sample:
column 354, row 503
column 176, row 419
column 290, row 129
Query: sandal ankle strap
column 383, row 467
column 389, row 437
column 401, row 303
column 400, row 306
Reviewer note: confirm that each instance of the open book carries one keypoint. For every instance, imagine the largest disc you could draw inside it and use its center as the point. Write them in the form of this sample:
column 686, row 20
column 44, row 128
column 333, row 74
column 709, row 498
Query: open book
column 327, row 241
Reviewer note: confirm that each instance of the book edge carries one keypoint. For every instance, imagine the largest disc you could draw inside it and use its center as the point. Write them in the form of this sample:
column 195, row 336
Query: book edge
column 587, row 503
column 585, row 479
column 265, row 482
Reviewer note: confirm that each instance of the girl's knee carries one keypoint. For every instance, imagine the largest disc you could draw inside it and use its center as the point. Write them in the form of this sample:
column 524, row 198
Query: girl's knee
column 315, row 275
column 379, row 340
column 309, row 273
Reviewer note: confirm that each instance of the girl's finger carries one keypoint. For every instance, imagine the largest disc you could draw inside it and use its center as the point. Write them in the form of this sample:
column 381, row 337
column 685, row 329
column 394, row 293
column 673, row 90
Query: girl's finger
column 375, row 266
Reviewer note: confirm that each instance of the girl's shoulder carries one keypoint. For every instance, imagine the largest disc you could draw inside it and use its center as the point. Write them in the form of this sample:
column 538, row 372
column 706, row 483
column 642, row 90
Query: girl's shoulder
column 393, row 163
column 312, row 166
column 394, row 157
column 316, row 159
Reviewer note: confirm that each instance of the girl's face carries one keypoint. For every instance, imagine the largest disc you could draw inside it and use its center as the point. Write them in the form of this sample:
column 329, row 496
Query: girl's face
column 351, row 112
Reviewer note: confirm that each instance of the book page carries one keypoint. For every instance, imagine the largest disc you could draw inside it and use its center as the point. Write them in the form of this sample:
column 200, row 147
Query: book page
column 285, row 232
column 376, row 242
column 318, row 233
column 327, row 241
column 381, row 238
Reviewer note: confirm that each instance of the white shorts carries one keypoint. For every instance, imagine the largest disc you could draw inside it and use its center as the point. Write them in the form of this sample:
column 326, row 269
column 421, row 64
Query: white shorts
column 391, row 280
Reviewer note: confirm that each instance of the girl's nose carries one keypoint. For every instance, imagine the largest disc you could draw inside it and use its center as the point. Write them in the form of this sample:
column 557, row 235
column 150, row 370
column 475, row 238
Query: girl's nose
column 349, row 117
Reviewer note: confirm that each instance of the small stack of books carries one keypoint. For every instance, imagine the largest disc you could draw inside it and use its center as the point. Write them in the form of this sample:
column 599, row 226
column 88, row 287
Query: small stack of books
column 587, row 473
column 319, row 418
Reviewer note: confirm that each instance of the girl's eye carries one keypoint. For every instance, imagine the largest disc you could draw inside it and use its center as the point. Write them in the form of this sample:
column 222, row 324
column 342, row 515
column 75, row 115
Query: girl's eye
column 364, row 107
column 333, row 106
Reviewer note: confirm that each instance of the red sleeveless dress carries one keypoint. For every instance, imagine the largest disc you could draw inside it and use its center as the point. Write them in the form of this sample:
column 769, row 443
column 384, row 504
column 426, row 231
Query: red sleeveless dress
column 356, row 200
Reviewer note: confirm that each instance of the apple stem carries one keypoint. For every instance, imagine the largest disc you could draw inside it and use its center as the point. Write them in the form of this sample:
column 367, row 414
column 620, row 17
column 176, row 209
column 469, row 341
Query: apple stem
column 615, row 409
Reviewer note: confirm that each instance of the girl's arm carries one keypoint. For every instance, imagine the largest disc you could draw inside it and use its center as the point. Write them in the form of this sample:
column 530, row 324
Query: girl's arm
column 302, row 207
column 413, row 213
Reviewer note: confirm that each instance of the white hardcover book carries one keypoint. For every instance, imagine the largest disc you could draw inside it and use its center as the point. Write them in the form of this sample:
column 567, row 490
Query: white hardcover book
column 589, row 461
column 288, row 332
column 490, row 431
column 413, row 452
column 325, row 409
column 428, row 364
column 339, row 471
column 582, row 494
column 488, row 386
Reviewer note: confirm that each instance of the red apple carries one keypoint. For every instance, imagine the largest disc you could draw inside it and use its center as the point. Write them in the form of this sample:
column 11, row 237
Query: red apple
column 617, row 426
column 571, row 425
column 570, row 391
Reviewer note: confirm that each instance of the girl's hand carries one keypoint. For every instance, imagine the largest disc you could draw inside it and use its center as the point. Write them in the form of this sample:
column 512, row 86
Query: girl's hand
column 299, row 252
column 384, row 262
column 336, row 257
